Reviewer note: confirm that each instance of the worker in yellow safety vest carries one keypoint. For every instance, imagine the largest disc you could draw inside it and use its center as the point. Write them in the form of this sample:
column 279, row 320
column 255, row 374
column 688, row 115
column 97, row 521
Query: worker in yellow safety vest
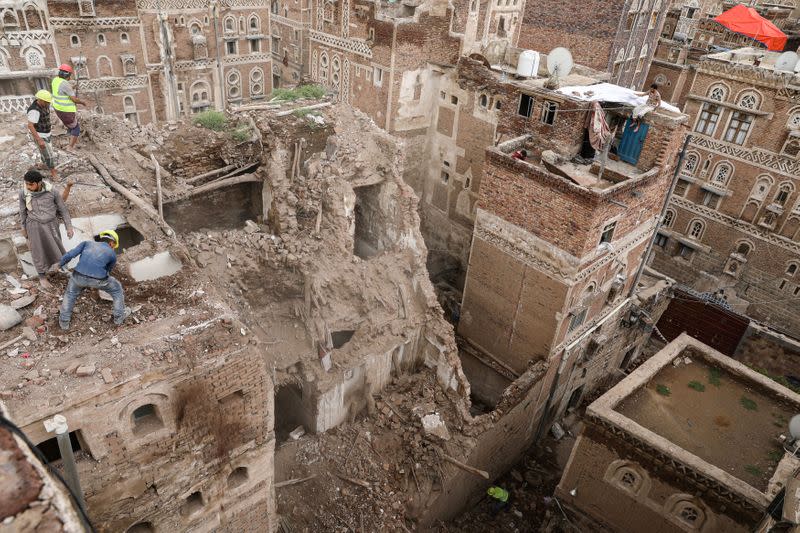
column 500, row 498
column 64, row 102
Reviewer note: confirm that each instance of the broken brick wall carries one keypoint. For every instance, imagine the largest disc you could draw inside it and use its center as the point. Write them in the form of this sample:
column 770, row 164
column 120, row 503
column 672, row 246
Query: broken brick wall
column 175, row 470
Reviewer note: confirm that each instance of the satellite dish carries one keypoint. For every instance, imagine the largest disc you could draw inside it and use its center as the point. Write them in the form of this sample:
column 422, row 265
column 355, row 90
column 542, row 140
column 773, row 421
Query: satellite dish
column 786, row 62
column 559, row 62
column 794, row 427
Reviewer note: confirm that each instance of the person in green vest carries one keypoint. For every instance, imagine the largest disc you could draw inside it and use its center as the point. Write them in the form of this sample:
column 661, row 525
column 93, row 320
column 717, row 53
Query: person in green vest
column 65, row 103
column 499, row 497
column 39, row 126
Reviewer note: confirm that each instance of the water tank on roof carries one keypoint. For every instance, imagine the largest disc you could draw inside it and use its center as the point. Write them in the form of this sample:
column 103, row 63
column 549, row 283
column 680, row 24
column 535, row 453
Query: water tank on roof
column 528, row 64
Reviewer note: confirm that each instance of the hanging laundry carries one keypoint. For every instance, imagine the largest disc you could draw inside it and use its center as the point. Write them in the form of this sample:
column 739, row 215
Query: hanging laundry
column 599, row 132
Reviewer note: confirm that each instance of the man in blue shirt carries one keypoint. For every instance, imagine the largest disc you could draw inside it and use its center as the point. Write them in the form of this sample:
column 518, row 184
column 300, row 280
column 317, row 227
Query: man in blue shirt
column 97, row 259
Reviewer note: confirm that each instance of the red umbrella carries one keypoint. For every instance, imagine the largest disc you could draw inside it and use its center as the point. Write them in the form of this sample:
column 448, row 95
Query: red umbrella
column 747, row 21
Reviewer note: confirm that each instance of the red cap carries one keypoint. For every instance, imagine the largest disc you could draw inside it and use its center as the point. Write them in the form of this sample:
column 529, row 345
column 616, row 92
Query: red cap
column 65, row 67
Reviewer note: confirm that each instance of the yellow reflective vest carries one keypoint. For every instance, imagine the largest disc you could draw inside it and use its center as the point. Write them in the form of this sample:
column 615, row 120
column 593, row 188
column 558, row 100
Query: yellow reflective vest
column 61, row 102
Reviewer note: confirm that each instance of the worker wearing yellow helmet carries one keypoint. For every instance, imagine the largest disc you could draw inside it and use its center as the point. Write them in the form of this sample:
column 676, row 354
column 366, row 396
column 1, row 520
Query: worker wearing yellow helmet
column 93, row 271
column 40, row 127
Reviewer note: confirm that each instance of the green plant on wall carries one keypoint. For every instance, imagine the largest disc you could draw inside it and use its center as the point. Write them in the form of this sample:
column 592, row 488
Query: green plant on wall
column 314, row 92
column 213, row 120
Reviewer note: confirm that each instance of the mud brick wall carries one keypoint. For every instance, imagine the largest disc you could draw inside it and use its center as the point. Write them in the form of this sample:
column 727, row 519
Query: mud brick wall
column 764, row 349
column 214, row 418
column 548, row 24
column 566, row 215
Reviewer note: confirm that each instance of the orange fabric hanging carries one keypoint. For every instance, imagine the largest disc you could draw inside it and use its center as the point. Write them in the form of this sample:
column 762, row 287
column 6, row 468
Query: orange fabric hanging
column 747, row 21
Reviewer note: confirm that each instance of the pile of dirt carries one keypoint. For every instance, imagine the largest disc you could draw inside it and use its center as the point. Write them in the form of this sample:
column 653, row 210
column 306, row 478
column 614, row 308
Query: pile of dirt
column 376, row 473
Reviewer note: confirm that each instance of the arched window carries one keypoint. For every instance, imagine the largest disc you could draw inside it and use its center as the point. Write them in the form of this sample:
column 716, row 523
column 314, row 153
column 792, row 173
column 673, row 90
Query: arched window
column 123, row 38
column 627, row 476
column 791, row 270
column 696, row 228
column 255, row 23
column 669, row 218
column 690, row 163
column 761, row 188
column 101, row 39
column 34, row 57
column 195, row 29
column 8, row 18
column 722, row 174
column 145, row 419
column 128, row 104
column 238, row 477
column 689, row 514
column 784, row 190
column 718, row 92
column 230, row 24
column 744, row 249
column 104, row 67
column 274, row 7
column 74, row 41
column 33, row 18
column 794, row 120
column 483, row 101
column 749, row 100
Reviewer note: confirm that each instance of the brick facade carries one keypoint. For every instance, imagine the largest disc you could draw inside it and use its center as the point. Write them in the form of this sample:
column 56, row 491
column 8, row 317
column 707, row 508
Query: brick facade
column 619, row 37
column 147, row 61
column 734, row 224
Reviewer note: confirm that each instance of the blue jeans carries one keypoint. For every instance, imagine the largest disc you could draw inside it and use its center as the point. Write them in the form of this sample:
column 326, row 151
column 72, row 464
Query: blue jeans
column 75, row 287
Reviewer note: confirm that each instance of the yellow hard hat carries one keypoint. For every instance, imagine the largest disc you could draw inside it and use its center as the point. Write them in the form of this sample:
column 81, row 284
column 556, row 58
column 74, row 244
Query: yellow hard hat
column 44, row 96
column 110, row 233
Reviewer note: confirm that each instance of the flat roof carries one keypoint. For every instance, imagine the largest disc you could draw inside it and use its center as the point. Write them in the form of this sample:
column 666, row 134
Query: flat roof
column 707, row 411
column 715, row 415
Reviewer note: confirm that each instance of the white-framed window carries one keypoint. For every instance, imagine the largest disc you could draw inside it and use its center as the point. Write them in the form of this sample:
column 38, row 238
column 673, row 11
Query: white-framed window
column 761, row 188
column 669, row 218
column 549, row 110
column 738, row 127
column 749, row 100
column 785, row 189
column 101, row 39
column 696, row 229
column 377, row 76
column 722, row 174
column 607, row 235
column 254, row 23
column 74, row 41
column 525, row 107
column 690, row 163
column 792, row 269
column 707, row 121
column 718, row 92
column 124, row 38
column 229, row 24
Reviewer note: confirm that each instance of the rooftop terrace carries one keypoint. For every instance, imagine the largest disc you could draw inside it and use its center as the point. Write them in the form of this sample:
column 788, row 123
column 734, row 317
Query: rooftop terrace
column 708, row 412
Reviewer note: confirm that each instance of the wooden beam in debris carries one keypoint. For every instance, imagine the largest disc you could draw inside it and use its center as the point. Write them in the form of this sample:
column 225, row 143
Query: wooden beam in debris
column 480, row 473
column 129, row 195
column 211, row 173
column 235, row 171
column 299, row 109
column 217, row 184
column 295, row 481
